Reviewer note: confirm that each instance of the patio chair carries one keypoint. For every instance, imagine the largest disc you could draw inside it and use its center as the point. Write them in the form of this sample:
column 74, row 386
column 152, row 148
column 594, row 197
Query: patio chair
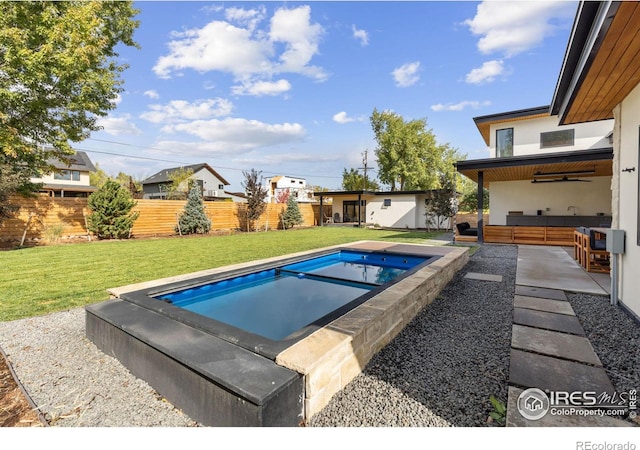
column 328, row 219
column 597, row 257
column 336, row 218
column 464, row 229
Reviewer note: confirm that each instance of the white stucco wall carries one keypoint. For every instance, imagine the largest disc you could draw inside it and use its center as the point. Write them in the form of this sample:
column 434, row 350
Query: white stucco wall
column 49, row 179
column 627, row 154
column 526, row 135
column 402, row 213
column 588, row 198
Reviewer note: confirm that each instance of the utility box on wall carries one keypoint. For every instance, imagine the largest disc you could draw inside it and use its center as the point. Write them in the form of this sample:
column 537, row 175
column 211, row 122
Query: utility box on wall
column 615, row 241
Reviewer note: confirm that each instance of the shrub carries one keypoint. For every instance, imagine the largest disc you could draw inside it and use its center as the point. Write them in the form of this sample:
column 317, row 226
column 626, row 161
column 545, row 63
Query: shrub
column 111, row 216
column 291, row 215
column 194, row 219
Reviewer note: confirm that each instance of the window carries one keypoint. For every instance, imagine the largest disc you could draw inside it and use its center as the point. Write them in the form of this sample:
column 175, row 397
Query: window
column 68, row 175
column 560, row 138
column 221, row 186
column 386, row 202
column 504, row 142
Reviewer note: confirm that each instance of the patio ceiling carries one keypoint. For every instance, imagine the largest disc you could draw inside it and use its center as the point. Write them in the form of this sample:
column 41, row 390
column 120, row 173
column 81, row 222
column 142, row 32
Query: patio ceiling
column 595, row 80
column 578, row 164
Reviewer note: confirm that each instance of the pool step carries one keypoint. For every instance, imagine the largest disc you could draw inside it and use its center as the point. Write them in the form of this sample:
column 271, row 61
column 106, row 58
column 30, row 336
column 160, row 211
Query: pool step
column 213, row 381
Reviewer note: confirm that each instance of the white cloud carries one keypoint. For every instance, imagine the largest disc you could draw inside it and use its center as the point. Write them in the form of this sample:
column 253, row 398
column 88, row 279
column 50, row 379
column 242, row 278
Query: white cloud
column 460, row 106
column 511, row 28
column 151, row 94
column 235, row 134
column 406, row 75
column 343, row 118
column 260, row 88
column 294, row 28
column 182, row 110
column 286, row 45
column 247, row 17
column 117, row 126
column 280, row 158
column 486, row 73
column 362, row 35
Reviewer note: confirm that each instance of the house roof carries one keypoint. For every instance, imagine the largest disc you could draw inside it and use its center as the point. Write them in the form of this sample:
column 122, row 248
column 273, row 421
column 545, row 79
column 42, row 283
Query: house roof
column 583, row 163
column 77, row 161
column 601, row 64
column 364, row 192
column 67, row 187
column 164, row 175
column 484, row 122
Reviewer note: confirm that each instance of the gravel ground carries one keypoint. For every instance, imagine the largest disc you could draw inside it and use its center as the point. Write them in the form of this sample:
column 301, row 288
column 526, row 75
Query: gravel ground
column 439, row 371
column 615, row 337
column 443, row 367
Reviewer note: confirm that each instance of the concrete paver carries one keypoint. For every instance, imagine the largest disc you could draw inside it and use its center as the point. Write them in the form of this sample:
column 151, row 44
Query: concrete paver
column 553, row 343
column 545, row 372
column 515, row 419
column 483, row 277
column 548, row 321
column 550, row 294
column 543, row 304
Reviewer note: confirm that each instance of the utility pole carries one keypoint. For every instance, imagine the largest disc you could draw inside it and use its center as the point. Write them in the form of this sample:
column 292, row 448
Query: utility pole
column 364, row 163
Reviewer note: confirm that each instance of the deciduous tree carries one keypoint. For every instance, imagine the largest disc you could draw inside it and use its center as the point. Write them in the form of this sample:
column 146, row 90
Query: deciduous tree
column 352, row 180
column 58, row 74
column 256, row 195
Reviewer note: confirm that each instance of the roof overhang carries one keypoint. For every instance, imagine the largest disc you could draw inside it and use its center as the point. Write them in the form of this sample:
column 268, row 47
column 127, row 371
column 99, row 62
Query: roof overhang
column 370, row 193
column 601, row 65
column 582, row 163
column 67, row 187
column 484, row 122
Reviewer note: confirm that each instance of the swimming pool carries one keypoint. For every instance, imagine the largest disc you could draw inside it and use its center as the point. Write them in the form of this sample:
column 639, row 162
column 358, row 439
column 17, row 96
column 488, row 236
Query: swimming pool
column 222, row 375
column 279, row 302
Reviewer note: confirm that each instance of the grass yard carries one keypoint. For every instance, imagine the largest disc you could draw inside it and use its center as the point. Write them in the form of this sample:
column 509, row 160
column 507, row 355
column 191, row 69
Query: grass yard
column 41, row 280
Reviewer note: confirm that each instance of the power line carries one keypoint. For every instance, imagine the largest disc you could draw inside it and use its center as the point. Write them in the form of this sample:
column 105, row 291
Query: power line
column 148, row 158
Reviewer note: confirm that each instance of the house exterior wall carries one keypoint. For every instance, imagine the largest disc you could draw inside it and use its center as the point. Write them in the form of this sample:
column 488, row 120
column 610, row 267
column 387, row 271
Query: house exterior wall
column 526, row 135
column 627, row 154
column 296, row 186
column 588, row 198
column 49, row 179
column 210, row 184
column 402, row 213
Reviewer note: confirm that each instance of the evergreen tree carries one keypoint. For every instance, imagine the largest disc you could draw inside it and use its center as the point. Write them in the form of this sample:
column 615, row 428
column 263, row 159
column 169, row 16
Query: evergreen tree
column 291, row 216
column 111, row 216
column 194, row 219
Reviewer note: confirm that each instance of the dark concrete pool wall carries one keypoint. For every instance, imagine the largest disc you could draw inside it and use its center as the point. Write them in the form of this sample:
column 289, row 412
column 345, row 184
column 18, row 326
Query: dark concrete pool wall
column 218, row 383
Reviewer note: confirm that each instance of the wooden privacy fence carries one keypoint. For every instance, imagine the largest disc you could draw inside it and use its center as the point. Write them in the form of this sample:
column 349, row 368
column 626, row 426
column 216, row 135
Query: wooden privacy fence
column 49, row 218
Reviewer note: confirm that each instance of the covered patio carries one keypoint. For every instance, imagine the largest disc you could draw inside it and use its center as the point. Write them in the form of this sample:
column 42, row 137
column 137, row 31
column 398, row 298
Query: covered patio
column 541, row 199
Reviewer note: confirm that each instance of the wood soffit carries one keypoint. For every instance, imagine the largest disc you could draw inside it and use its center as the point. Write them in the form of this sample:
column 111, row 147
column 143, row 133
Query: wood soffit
column 614, row 72
column 600, row 168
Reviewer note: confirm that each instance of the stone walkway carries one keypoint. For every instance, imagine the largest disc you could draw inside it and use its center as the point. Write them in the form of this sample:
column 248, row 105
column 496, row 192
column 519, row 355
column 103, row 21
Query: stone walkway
column 549, row 351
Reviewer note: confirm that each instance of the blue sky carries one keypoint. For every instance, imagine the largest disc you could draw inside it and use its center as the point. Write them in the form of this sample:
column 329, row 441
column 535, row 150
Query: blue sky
column 287, row 88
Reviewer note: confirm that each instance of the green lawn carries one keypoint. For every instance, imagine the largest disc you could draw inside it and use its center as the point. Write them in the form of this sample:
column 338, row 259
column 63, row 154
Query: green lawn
column 39, row 280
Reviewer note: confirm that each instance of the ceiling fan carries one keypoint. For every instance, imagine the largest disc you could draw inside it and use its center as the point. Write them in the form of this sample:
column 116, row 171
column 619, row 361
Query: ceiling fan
column 560, row 180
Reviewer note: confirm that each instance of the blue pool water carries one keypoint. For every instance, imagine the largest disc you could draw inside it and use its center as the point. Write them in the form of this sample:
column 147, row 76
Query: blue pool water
column 277, row 302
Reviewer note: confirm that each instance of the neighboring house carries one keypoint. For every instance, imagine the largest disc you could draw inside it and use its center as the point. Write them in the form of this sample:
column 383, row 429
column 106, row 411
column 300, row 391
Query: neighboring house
column 297, row 187
column 542, row 173
column 600, row 80
column 210, row 181
column 392, row 209
column 71, row 179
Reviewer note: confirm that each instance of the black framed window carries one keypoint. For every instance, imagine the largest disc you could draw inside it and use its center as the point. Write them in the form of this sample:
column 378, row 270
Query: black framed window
column 559, row 138
column 504, row 142
column 68, row 175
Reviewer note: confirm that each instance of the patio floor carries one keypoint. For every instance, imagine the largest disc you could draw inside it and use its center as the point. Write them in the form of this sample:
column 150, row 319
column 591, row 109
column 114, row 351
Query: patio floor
column 548, row 348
